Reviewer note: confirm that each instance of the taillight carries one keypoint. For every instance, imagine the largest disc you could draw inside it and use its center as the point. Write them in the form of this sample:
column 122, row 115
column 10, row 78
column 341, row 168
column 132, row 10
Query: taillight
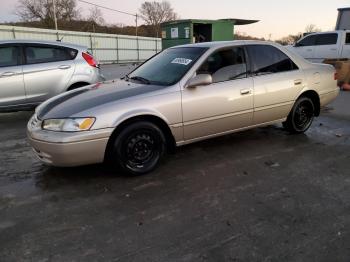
column 335, row 76
column 90, row 59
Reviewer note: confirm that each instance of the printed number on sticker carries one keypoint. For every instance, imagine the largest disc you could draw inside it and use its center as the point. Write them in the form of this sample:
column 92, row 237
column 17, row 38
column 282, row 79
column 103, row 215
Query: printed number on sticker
column 181, row 61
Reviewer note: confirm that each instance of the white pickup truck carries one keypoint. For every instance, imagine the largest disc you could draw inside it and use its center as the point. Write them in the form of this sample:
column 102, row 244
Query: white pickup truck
column 317, row 47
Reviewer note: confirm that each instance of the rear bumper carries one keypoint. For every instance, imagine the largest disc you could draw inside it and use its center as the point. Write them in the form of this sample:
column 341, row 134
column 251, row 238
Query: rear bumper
column 329, row 97
column 101, row 77
column 97, row 76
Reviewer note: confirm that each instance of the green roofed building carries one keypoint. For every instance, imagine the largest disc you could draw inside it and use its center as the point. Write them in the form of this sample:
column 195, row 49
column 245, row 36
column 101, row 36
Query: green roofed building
column 189, row 31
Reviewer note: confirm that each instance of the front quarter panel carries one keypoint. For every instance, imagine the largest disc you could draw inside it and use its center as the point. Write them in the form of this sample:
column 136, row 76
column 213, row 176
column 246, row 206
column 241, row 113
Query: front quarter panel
column 164, row 104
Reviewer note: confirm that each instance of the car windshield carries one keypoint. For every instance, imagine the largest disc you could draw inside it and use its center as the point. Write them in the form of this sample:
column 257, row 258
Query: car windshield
column 168, row 67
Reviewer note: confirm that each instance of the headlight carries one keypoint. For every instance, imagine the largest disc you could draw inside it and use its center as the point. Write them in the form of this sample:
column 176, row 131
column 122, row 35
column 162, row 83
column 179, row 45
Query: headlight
column 69, row 124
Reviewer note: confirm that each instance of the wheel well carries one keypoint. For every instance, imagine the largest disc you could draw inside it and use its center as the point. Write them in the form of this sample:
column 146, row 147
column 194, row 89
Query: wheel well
column 171, row 144
column 77, row 85
column 315, row 99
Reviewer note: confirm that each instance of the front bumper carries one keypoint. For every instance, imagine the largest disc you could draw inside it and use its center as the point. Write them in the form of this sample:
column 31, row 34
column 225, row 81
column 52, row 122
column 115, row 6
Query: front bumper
column 63, row 149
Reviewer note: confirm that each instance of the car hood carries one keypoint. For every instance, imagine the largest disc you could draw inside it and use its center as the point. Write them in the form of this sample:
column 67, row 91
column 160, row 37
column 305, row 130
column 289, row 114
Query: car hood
column 79, row 100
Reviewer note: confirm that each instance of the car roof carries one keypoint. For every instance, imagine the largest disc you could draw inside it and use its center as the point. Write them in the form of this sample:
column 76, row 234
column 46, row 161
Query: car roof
column 219, row 44
column 57, row 43
column 222, row 44
column 328, row 32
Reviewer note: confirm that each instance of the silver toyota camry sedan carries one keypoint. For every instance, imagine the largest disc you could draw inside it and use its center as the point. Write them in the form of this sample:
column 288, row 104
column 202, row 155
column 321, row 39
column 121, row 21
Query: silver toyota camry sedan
column 182, row 95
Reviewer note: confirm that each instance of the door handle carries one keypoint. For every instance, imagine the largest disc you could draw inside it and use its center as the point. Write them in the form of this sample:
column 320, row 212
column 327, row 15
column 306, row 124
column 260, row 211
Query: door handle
column 63, row 67
column 309, row 50
column 245, row 91
column 8, row 74
column 298, row 82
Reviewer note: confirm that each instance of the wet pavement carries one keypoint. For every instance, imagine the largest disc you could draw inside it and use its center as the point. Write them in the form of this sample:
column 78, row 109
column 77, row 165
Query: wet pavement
column 116, row 70
column 259, row 195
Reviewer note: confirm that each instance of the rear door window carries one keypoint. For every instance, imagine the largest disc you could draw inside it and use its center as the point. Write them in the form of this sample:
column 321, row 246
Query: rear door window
column 266, row 59
column 9, row 56
column 327, row 39
column 46, row 54
column 308, row 41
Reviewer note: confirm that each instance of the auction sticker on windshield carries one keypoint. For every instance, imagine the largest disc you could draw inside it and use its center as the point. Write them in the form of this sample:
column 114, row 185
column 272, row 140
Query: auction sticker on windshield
column 181, row 61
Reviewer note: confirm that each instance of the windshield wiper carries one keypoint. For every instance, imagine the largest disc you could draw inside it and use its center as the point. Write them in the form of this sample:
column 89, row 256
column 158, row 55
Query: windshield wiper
column 141, row 79
column 126, row 78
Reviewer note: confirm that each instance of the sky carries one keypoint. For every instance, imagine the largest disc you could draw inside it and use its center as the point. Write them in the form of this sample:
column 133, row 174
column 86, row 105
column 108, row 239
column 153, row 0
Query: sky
column 278, row 18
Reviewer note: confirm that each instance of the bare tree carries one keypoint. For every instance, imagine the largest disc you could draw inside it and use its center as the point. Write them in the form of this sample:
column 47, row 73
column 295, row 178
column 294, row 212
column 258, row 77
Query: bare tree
column 42, row 10
column 311, row 28
column 244, row 36
column 290, row 39
column 96, row 16
column 154, row 13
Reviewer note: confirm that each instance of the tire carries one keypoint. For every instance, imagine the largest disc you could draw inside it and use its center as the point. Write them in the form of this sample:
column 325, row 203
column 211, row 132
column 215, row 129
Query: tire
column 138, row 148
column 76, row 86
column 301, row 116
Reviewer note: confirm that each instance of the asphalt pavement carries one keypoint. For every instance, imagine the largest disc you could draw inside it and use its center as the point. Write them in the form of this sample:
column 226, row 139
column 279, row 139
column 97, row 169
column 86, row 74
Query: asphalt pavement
column 258, row 195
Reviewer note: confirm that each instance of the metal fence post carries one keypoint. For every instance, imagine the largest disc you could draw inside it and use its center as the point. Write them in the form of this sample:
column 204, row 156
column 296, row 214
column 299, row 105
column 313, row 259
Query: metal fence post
column 14, row 33
column 117, row 49
column 92, row 49
column 138, row 49
column 156, row 41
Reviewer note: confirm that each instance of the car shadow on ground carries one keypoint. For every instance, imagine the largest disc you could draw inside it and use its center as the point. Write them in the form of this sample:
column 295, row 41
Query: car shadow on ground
column 202, row 155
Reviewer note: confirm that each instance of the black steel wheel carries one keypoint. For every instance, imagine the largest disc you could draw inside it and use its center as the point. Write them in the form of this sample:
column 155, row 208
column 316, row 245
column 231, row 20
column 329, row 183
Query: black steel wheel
column 301, row 117
column 139, row 148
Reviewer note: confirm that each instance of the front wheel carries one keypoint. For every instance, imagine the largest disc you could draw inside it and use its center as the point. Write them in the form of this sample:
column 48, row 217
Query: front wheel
column 300, row 118
column 139, row 148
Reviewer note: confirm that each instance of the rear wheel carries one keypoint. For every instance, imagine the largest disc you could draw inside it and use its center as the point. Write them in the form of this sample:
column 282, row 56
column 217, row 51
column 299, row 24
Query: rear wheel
column 300, row 118
column 77, row 85
column 138, row 148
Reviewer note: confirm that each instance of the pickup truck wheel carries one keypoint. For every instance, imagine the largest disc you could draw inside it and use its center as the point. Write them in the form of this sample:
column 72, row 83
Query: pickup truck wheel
column 138, row 148
column 300, row 118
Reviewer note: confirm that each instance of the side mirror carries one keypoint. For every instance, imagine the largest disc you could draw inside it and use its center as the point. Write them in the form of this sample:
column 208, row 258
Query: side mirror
column 297, row 44
column 200, row 80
